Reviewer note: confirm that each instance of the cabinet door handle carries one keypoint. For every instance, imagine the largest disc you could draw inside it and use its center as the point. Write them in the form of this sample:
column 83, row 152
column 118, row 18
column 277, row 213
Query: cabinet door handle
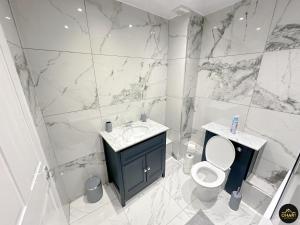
column 145, row 171
column 148, row 168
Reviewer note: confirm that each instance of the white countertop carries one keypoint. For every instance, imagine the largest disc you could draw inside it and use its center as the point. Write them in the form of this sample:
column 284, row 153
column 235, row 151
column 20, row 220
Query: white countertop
column 129, row 134
column 245, row 139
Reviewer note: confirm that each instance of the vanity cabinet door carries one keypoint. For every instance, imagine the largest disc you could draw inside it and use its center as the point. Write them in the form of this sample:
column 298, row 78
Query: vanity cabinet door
column 154, row 164
column 134, row 175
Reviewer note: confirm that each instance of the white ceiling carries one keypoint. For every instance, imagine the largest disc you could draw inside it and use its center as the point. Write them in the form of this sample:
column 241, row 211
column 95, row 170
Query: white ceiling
column 165, row 8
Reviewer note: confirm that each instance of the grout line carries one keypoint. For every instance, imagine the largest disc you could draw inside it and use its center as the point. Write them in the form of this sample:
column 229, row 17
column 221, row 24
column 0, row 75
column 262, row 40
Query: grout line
column 89, row 213
column 94, row 54
column 270, row 26
column 104, row 106
column 56, row 50
column 255, row 84
column 15, row 23
column 93, row 62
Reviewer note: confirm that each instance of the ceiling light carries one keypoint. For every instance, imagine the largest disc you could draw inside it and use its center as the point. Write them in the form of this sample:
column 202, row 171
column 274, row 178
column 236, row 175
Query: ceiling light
column 79, row 9
column 241, row 18
column 66, row 26
column 7, row 17
column 258, row 28
column 130, row 25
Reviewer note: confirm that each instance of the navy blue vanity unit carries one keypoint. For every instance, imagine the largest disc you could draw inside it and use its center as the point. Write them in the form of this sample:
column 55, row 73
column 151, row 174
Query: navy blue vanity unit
column 135, row 167
column 246, row 147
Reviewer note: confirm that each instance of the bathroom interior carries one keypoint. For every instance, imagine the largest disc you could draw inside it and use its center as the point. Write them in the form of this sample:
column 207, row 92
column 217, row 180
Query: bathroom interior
column 145, row 96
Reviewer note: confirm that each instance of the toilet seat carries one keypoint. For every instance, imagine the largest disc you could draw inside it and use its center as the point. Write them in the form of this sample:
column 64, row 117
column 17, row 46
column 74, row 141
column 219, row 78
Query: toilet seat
column 220, row 175
column 220, row 152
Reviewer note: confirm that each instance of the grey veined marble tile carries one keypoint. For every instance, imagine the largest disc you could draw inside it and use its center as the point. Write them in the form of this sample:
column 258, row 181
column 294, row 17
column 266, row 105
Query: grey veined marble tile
column 52, row 24
column 75, row 134
column 125, row 79
column 131, row 111
column 64, row 82
column 119, row 29
column 285, row 29
column 278, row 82
column 230, row 78
column 194, row 36
column 8, row 24
column 239, row 29
column 281, row 130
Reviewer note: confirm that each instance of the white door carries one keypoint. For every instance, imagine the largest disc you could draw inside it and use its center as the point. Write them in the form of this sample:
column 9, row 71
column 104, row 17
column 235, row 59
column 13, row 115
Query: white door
column 27, row 194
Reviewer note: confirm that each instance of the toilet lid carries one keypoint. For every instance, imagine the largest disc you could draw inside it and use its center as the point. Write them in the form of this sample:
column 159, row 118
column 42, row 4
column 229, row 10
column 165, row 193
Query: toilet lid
column 220, row 152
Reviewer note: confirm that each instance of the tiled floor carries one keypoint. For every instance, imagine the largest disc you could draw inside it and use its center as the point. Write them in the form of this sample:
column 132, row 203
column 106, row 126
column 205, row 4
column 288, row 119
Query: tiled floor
column 171, row 201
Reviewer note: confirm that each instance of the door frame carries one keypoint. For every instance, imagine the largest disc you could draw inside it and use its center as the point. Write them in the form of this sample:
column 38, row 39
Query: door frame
column 20, row 99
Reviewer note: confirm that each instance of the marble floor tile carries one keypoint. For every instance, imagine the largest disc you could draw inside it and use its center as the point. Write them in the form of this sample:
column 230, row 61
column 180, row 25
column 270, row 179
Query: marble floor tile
column 220, row 213
column 181, row 218
column 81, row 204
column 172, row 165
column 108, row 214
column 181, row 187
column 163, row 202
column 76, row 214
column 155, row 207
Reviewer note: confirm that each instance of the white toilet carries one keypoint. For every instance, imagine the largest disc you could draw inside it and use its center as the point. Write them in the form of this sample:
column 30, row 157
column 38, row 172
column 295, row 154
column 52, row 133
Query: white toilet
column 210, row 175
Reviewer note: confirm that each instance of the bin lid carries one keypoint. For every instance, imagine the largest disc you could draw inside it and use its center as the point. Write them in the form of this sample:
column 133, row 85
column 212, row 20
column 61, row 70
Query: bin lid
column 92, row 183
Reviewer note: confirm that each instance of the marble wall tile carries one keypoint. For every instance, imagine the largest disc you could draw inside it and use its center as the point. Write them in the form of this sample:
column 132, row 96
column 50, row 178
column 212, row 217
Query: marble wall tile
column 173, row 113
column 119, row 29
column 131, row 111
column 187, row 114
column 125, row 79
column 155, row 109
column 281, row 131
column 74, row 135
column 42, row 24
column 154, row 207
column 175, row 80
column 230, row 78
column 178, row 28
column 270, row 173
column 32, row 101
column 76, row 172
column 194, row 36
column 285, row 28
column 64, row 82
column 8, row 24
column 207, row 110
column 224, row 33
column 190, row 77
column 121, row 113
column 278, row 82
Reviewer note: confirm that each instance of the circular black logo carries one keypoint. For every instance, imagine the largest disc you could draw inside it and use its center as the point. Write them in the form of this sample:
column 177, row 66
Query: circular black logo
column 288, row 213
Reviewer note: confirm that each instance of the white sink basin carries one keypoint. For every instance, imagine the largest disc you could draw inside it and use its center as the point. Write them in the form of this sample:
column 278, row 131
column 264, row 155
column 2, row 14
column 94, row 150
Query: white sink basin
column 134, row 132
